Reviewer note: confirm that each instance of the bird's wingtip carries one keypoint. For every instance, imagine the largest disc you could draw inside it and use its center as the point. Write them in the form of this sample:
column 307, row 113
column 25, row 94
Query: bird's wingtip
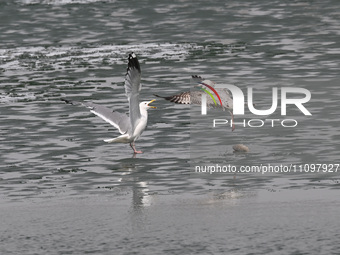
column 195, row 76
column 66, row 101
column 132, row 55
column 133, row 61
column 158, row 96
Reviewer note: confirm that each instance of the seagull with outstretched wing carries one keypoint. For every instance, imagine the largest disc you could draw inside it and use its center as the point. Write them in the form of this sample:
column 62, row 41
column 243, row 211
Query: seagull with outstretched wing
column 132, row 126
column 195, row 96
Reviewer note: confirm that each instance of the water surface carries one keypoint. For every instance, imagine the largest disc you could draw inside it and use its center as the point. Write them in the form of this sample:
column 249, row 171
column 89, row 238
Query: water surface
column 65, row 191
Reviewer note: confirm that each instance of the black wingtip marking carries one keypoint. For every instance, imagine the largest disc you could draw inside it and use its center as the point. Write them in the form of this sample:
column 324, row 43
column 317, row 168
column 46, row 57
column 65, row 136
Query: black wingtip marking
column 133, row 62
column 196, row 77
column 66, row 101
column 166, row 98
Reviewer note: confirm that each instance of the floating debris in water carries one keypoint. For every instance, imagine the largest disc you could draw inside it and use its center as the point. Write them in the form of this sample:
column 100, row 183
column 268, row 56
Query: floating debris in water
column 240, row 148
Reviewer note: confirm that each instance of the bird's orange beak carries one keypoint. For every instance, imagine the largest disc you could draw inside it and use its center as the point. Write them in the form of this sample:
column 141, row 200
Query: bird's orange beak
column 153, row 100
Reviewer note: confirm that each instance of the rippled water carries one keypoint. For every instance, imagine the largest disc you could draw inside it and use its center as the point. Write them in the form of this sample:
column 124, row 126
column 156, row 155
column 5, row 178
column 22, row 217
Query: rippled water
column 65, row 191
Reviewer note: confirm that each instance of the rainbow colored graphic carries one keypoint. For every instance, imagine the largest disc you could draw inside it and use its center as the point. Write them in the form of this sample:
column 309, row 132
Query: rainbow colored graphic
column 209, row 93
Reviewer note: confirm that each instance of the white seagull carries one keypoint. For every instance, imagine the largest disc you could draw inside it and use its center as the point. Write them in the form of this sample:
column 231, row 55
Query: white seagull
column 132, row 126
column 195, row 96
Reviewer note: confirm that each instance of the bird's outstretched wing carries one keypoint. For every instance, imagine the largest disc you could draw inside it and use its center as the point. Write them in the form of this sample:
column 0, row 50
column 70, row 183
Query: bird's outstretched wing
column 119, row 120
column 195, row 96
column 181, row 98
column 132, row 89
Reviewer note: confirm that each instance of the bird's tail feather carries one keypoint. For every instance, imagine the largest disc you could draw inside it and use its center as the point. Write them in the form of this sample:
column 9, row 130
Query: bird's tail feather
column 119, row 139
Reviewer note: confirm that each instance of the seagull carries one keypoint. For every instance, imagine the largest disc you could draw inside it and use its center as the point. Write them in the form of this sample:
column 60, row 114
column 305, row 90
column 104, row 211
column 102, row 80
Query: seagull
column 195, row 96
column 130, row 127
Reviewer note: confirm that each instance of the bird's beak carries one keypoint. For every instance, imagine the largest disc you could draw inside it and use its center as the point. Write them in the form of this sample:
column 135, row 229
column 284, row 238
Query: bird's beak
column 153, row 100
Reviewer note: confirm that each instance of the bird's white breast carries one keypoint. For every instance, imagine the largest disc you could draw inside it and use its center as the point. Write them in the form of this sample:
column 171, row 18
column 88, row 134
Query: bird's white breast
column 140, row 127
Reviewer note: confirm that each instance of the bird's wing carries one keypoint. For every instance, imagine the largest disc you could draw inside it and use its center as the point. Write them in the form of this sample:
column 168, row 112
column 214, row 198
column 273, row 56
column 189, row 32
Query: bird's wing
column 187, row 97
column 190, row 97
column 195, row 96
column 132, row 89
column 118, row 120
column 226, row 98
column 181, row 98
column 223, row 93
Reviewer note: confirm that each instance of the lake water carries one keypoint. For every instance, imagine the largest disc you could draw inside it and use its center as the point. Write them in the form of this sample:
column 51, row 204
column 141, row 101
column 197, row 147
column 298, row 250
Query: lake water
column 65, row 191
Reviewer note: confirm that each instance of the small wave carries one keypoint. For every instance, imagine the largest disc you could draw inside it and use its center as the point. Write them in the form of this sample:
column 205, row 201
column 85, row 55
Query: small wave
column 63, row 2
column 59, row 57
column 13, row 97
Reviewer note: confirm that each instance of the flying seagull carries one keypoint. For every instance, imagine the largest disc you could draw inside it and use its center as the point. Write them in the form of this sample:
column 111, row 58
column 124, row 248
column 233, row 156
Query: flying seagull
column 132, row 126
column 195, row 96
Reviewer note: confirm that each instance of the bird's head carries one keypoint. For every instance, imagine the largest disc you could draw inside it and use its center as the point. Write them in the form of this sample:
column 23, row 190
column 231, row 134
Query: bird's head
column 146, row 105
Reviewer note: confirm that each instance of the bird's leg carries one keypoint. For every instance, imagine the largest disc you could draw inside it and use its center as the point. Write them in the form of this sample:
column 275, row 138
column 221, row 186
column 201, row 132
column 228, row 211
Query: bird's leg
column 134, row 148
column 232, row 120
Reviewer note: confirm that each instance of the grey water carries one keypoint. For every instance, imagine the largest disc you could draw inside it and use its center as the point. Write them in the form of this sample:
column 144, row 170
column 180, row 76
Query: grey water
column 65, row 191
